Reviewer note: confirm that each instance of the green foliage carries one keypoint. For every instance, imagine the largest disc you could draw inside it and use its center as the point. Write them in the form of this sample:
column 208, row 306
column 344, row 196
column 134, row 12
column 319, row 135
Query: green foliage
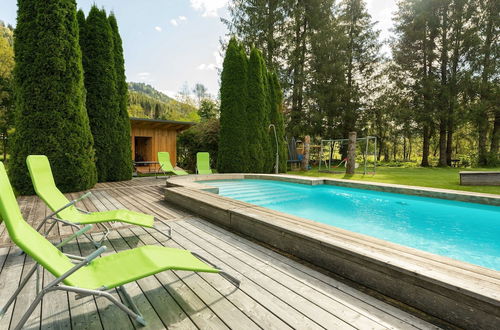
column 257, row 134
column 233, row 154
column 208, row 109
column 203, row 137
column 50, row 114
column 149, row 91
column 103, row 98
column 122, row 161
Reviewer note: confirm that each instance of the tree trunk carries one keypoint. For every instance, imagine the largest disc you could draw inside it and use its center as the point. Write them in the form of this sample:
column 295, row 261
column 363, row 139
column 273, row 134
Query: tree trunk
column 442, row 143
column 485, row 76
column 495, row 137
column 351, row 154
column 425, row 146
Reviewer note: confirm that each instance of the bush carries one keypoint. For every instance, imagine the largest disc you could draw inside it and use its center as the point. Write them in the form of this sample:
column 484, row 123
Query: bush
column 203, row 137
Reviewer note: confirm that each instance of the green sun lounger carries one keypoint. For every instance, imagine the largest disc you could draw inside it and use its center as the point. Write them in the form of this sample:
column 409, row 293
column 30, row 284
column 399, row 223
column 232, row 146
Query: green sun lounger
column 166, row 165
column 89, row 275
column 203, row 163
column 65, row 211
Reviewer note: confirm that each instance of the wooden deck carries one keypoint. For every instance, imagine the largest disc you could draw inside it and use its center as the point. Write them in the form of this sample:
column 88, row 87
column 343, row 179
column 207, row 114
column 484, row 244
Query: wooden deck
column 275, row 293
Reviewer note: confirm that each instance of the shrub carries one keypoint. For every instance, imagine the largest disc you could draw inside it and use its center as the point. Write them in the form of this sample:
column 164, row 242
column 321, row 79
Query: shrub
column 203, row 137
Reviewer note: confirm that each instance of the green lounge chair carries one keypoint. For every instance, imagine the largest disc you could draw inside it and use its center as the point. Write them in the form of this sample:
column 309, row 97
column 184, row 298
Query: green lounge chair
column 90, row 275
column 66, row 212
column 166, row 165
column 203, row 163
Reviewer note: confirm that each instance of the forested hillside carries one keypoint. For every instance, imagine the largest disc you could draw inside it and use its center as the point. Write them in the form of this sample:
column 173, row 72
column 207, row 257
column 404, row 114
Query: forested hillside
column 147, row 102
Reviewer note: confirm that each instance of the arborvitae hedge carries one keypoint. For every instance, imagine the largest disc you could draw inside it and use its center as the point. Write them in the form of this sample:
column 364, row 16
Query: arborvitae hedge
column 233, row 152
column 50, row 111
column 96, row 40
column 256, row 112
column 123, row 161
column 276, row 118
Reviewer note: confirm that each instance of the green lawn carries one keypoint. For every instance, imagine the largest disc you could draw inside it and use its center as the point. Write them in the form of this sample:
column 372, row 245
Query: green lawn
column 446, row 178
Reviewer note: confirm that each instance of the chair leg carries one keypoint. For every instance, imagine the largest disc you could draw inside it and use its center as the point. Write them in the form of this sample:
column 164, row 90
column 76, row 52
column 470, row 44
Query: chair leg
column 222, row 273
column 169, row 235
column 129, row 300
column 135, row 315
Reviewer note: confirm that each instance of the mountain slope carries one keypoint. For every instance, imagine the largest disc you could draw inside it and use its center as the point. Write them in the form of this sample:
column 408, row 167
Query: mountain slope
column 147, row 102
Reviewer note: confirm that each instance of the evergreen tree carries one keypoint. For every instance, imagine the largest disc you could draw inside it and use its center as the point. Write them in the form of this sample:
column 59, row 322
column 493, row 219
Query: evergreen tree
column 123, row 160
column 96, row 40
column 50, row 111
column 233, row 154
column 257, row 133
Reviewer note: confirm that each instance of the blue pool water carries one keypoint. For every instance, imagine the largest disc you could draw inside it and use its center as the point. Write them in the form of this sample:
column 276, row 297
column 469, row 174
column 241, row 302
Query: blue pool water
column 464, row 231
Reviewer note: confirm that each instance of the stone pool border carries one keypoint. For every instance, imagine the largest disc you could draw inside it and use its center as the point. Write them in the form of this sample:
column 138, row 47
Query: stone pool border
column 460, row 293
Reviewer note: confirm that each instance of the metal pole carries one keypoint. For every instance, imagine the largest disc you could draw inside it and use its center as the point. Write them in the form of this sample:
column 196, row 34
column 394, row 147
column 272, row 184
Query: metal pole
column 276, row 167
column 366, row 155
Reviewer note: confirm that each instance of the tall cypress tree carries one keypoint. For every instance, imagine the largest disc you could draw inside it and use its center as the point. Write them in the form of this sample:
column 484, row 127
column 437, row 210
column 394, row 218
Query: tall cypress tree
column 233, row 152
column 50, row 111
column 96, row 40
column 256, row 112
column 276, row 118
column 123, row 161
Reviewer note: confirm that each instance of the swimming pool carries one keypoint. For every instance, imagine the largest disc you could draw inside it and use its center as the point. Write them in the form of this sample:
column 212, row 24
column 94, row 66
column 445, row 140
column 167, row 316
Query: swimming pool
column 464, row 231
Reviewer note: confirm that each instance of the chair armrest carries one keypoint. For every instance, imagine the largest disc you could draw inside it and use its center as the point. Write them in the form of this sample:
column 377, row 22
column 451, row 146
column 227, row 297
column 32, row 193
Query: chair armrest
column 74, row 235
column 81, row 264
column 69, row 204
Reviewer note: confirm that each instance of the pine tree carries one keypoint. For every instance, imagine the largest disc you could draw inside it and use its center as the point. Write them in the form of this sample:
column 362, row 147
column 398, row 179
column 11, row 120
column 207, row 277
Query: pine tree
column 50, row 111
column 257, row 111
column 233, row 154
column 96, row 40
column 123, row 161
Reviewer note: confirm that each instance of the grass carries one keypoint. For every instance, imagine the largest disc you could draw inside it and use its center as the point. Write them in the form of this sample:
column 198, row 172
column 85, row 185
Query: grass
column 445, row 178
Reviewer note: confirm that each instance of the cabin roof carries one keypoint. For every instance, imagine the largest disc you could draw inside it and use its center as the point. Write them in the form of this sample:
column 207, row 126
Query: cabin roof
column 160, row 123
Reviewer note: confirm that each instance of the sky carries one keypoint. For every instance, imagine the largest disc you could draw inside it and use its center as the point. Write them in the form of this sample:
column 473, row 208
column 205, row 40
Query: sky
column 171, row 43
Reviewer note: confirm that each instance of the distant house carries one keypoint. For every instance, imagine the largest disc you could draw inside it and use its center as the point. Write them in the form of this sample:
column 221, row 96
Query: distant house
column 149, row 136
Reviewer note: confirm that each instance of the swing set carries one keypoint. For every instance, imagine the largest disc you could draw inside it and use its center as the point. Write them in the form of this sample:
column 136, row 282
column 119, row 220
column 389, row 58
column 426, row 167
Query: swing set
column 365, row 146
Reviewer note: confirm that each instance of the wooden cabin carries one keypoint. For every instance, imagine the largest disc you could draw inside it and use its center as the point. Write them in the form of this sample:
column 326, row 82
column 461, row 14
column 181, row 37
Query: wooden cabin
column 149, row 136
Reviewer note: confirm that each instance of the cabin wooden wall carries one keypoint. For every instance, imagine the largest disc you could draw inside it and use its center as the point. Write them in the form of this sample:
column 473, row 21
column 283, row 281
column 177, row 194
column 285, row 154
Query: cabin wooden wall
column 163, row 139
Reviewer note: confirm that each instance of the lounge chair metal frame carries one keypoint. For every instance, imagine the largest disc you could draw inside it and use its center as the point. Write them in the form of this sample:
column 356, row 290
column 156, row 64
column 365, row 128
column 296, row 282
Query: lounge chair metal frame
column 56, row 285
column 52, row 217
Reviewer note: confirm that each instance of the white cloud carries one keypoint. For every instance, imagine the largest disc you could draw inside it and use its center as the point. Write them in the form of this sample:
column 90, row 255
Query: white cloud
column 208, row 7
column 144, row 74
column 204, row 66
column 182, row 18
column 174, row 22
column 157, row 28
